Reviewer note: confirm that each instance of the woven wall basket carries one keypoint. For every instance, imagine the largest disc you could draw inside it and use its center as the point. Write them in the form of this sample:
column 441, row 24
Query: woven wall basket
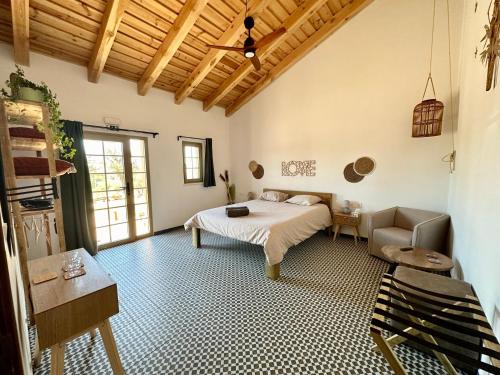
column 427, row 118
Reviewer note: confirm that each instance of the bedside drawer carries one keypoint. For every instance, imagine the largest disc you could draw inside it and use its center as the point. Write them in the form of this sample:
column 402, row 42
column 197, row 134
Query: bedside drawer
column 346, row 219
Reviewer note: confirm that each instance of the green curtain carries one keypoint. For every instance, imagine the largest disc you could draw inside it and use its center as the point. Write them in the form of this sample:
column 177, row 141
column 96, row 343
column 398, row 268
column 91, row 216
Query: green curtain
column 76, row 197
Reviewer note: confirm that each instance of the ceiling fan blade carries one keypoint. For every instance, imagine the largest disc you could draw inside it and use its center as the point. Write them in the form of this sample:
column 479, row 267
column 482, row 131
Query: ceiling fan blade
column 270, row 37
column 256, row 62
column 227, row 48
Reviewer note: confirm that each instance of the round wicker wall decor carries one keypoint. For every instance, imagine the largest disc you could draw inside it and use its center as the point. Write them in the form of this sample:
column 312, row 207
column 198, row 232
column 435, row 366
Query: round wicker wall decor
column 351, row 175
column 253, row 165
column 364, row 166
column 259, row 172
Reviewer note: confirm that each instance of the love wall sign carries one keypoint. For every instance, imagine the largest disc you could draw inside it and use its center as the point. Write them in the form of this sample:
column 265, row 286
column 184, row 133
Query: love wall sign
column 294, row 168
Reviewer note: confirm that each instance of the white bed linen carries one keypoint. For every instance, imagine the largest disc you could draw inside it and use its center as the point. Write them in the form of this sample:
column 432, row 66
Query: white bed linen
column 275, row 225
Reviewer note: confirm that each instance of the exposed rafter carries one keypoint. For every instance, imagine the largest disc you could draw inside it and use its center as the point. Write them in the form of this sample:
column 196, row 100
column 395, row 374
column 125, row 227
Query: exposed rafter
column 340, row 18
column 230, row 36
column 20, row 30
column 297, row 18
column 115, row 9
column 182, row 24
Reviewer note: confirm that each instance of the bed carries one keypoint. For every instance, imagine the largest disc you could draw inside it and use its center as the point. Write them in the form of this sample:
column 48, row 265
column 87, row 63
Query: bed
column 276, row 226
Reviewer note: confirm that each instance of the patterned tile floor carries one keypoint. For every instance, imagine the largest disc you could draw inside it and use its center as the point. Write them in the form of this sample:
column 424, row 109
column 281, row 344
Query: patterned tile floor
column 212, row 311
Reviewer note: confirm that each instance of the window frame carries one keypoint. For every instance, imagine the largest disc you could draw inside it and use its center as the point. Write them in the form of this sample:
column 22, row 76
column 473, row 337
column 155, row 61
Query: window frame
column 199, row 146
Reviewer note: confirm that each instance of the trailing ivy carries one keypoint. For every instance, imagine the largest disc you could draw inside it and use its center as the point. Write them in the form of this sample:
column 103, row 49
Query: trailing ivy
column 18, row 80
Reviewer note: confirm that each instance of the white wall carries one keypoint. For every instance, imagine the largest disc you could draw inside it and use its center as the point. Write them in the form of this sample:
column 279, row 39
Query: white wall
column 354, row 96
column 173, row 201
column 474, row 199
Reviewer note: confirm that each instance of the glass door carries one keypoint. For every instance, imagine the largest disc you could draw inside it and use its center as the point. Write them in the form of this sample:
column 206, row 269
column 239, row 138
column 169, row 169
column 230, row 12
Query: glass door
column 118, row 169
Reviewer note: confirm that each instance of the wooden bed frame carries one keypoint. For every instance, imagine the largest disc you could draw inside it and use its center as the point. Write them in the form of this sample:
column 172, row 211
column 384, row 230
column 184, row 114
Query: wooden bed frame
column 273, row 271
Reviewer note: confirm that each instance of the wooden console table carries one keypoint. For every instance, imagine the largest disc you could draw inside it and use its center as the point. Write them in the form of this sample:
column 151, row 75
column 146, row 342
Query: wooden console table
column 67, row 309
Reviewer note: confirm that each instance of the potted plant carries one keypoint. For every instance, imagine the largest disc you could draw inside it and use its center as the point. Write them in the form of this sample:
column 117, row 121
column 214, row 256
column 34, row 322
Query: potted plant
column 23, row 89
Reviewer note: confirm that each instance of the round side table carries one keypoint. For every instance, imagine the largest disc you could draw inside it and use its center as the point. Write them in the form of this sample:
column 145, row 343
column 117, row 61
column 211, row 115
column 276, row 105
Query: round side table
column 418, row 258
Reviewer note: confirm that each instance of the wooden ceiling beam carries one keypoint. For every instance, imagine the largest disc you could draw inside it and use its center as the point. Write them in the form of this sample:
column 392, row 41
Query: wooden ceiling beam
column 175, row 36
column 21, row 31
column 210, row 60
column 339, row 19
column 297, row 18
column 111, row 20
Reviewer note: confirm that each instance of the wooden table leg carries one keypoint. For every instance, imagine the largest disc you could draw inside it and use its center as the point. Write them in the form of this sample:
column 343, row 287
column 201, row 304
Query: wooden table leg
column 93, row 333
column 57, row 359
column 37, row 356
column 337, row 230
column 356, row 230
column 110, row 346
column 273, row 272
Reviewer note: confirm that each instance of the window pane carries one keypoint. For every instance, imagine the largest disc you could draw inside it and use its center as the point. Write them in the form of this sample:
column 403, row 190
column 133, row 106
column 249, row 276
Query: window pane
column 98, row 182
column 136, row 147
column 113, row 148
column 189, row 174
column 189, row 162
column 196, row 163
column 100, row 200
column 118, row 215
column 114, row 164
column 139, row 180
column 141, row 211
column 101, row 218
column 96, row 164
column 196, row 173
column 140, row 195
column 119, row 232
column 92, row 147
column 187, row 151
column 116, row 181
column 138, row 164
column 103, row 235
column 117, row 198
column 142, row 226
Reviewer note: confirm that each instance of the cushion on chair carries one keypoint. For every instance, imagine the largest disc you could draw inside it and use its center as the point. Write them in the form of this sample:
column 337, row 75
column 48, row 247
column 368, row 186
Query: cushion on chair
column 392, row 236
column 407, row 218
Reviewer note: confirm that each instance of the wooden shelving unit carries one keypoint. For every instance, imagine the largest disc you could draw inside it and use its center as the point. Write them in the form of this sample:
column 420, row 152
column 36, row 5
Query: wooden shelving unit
column 29, row 114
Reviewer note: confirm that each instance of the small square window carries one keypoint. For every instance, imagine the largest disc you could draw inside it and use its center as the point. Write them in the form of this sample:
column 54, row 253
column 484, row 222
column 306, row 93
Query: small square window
column 192, row 162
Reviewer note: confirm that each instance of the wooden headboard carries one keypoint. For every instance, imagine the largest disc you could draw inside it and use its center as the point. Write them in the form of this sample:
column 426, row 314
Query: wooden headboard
column 326, row 198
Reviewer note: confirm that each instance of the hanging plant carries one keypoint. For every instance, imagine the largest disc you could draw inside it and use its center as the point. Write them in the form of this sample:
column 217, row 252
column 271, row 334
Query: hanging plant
column 491, row 47
column 23, row 89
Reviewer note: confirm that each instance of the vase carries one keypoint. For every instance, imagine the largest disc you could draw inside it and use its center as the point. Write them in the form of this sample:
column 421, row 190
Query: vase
column 29, row 94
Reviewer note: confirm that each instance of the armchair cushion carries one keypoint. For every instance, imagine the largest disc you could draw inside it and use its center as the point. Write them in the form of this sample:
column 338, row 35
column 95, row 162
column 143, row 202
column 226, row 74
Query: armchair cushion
column 390, row 235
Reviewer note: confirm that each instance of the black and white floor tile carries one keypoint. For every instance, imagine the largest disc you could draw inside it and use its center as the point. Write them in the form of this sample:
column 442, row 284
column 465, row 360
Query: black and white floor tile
column 212, row 311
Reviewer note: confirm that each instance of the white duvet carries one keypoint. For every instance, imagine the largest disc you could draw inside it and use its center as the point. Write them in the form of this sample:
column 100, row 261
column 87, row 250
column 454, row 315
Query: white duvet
column 275, row 225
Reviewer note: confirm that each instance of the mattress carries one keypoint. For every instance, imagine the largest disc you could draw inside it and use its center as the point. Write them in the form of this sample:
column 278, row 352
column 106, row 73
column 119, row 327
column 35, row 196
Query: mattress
column 276, row 226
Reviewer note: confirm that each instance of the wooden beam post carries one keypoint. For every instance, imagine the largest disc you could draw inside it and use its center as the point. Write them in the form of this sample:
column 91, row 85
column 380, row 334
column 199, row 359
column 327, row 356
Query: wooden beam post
column 21, row 31
column 312, row 42
column 175, row 36
column 295, row 20
column 213, row 56
column 111, row 20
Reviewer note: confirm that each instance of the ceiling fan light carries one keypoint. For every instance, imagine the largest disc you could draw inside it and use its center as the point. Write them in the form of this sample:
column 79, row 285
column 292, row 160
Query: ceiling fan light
column 249, row 54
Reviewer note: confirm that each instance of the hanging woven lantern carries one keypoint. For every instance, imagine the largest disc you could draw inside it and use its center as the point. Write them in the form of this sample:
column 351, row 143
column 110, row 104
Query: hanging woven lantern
column 427, row 118
column 428, row 114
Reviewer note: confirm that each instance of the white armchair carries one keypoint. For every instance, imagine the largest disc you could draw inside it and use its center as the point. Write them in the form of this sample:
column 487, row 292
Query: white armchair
column 403, row 226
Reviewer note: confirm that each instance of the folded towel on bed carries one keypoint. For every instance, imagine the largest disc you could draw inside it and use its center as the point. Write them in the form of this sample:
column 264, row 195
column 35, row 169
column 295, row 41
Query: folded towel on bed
column 237, row 211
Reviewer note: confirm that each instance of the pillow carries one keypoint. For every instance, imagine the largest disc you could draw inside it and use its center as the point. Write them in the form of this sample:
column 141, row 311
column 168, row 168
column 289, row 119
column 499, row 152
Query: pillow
column 304, row 200
column 273, row 196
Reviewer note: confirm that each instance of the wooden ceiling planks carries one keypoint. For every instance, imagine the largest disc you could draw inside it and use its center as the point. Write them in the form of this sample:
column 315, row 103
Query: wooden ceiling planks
column 69, row 30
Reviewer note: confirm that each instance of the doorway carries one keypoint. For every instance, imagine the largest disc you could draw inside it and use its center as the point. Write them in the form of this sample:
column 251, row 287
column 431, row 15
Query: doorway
column 119, row 175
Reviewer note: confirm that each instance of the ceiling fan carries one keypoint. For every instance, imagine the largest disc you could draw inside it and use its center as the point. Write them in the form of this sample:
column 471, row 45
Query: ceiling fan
column 250, row 46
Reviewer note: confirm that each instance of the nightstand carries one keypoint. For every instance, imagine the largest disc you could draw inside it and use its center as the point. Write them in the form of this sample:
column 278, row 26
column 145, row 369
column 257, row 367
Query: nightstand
column 340, row 219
